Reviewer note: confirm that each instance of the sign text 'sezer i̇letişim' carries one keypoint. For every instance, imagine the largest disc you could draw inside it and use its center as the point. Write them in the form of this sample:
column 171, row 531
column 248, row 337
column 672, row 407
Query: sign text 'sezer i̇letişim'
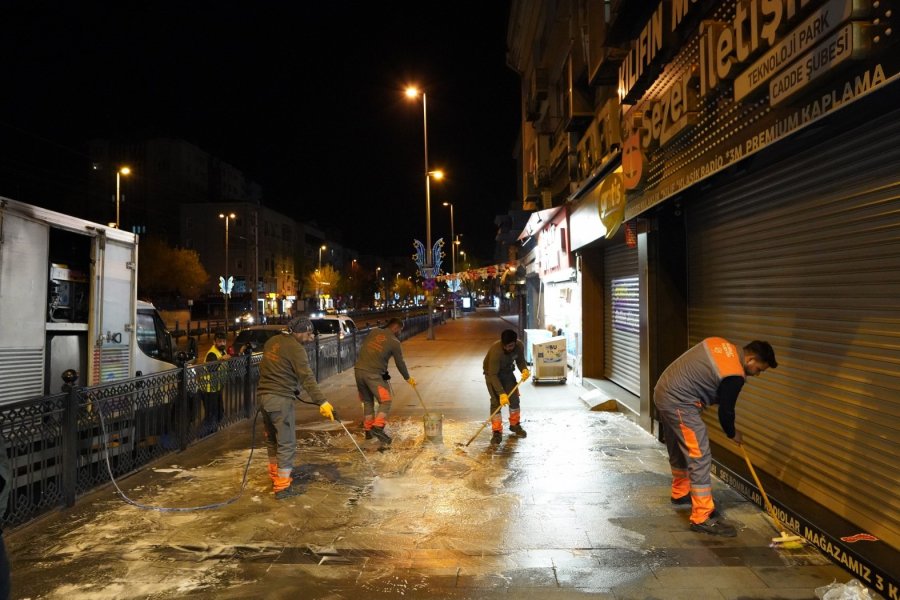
column 739, row 75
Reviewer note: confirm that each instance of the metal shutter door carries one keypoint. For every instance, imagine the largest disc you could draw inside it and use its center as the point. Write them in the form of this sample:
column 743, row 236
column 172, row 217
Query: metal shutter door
column 622, row 356
column 806, row 254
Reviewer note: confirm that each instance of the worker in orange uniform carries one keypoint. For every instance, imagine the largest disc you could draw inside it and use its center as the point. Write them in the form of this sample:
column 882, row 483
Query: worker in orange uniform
column 284, row 368
column 500, row 378
column 370, row 371
column 712, row 372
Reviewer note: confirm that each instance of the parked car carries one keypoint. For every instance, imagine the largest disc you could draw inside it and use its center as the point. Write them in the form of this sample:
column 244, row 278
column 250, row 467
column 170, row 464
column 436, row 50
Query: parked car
column 245, row 319
column 256, row 336
column 329, row 325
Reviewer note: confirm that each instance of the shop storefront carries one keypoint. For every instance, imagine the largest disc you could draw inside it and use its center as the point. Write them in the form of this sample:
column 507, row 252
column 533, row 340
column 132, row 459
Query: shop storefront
column 607, row 255
column 554, row 292
column 760, row 160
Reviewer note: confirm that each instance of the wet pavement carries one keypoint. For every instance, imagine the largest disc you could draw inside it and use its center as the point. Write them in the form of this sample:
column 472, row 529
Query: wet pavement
column 580, row 507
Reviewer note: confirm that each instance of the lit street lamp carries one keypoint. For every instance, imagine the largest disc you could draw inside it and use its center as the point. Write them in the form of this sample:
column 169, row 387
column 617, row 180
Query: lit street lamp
column 227, row 218
column 319, row 279
column 413, row 92
column 119, row 172
column 378, row 286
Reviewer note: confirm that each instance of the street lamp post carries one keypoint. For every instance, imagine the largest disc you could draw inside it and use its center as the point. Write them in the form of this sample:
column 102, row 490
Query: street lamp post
column 319, row 279
column 378, row 286
column 119, row 172
column 413, row 92
column 452, row 254
column 227, row 218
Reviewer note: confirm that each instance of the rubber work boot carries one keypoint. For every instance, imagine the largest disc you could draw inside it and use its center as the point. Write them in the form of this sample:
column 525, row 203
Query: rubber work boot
column 497, row 437
column 289, row 492
column 517, row 429
column 714, row 527
column 368, row 434
column 381, row 436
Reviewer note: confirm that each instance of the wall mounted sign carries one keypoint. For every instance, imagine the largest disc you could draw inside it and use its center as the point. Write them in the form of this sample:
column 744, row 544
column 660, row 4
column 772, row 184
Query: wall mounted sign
column 748, row 76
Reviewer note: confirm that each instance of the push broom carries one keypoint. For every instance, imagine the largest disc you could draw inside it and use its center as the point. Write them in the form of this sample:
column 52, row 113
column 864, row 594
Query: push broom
column 483, row 425
column 786, row 539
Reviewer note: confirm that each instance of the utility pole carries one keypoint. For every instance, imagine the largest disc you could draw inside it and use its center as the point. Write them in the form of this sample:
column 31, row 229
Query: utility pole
column 256, row 266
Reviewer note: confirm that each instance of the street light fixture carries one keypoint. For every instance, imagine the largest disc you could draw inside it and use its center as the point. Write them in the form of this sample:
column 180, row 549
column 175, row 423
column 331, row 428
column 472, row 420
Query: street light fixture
column 119, row 172
column 413, row 92
column 227, row 218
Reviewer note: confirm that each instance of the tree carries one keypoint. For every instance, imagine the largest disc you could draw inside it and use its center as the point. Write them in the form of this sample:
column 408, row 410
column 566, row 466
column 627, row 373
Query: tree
column 324, row 280
column 166, row 273
column 403, row 287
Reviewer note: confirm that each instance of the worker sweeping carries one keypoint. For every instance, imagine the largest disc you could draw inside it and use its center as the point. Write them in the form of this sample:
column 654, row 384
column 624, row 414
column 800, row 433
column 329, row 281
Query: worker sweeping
column 500, row 378
column 370, row 371
column 284, row 368
column 712, row 372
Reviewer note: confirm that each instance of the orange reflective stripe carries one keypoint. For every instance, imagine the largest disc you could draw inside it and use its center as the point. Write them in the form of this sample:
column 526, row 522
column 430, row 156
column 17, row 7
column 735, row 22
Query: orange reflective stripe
column 725, row 357
column 384, row 395
column 681, row 484
column 281, row 483
column 701, row 507
column 690, row 439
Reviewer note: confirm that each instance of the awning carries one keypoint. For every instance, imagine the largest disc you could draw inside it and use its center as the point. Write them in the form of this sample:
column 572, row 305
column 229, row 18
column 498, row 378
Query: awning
column 539, row 220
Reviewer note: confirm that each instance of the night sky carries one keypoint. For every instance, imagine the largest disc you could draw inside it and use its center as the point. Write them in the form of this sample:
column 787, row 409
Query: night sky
column 306, row 101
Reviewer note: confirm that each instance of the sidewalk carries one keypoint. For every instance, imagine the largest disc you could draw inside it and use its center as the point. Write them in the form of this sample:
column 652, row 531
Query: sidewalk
column 580, row 507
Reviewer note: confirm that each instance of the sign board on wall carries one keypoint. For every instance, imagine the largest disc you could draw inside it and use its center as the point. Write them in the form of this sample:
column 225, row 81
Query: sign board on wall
column 553, row 246
column 747, row 77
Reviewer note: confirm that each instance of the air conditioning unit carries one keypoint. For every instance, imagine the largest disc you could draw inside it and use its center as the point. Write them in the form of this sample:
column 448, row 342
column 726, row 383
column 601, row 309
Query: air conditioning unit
column 537, row 95
column 603, row 58
column 540, row 84
column 539, row 162
column 578, row 106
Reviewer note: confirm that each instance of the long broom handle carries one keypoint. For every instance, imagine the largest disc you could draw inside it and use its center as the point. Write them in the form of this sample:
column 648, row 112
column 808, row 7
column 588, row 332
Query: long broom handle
column 762, row 491
column 483, row 425
column 422, row 402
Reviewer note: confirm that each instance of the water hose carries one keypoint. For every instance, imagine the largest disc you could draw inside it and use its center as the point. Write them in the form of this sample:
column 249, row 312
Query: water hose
column 128, row 500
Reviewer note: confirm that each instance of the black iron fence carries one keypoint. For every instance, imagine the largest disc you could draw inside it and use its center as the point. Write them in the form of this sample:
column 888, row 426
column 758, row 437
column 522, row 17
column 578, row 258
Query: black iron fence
column 59, row 445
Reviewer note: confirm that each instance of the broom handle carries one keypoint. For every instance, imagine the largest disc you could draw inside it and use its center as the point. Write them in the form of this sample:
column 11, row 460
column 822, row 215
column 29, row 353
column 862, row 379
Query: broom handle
column 483, row 425
column 762, row 491
column 422, row 402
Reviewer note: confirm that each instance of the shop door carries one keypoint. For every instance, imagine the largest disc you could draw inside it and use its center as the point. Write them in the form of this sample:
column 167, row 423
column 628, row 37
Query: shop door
column 622, row 356
column 805, row 253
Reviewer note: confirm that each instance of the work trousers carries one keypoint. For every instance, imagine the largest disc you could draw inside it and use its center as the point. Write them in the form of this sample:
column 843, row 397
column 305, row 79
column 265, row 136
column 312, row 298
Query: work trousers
column 281, row 437
column 372, row 387
column 689, row 456
column 508, row 381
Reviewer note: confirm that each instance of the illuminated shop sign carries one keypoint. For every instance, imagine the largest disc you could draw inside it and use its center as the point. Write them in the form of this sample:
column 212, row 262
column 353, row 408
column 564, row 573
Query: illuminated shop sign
column 750, row 74
column 626, row 315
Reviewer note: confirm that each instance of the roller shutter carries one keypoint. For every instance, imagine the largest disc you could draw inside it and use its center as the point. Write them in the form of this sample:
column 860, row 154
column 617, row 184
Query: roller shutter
column 621, row 319
column 805, row 253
